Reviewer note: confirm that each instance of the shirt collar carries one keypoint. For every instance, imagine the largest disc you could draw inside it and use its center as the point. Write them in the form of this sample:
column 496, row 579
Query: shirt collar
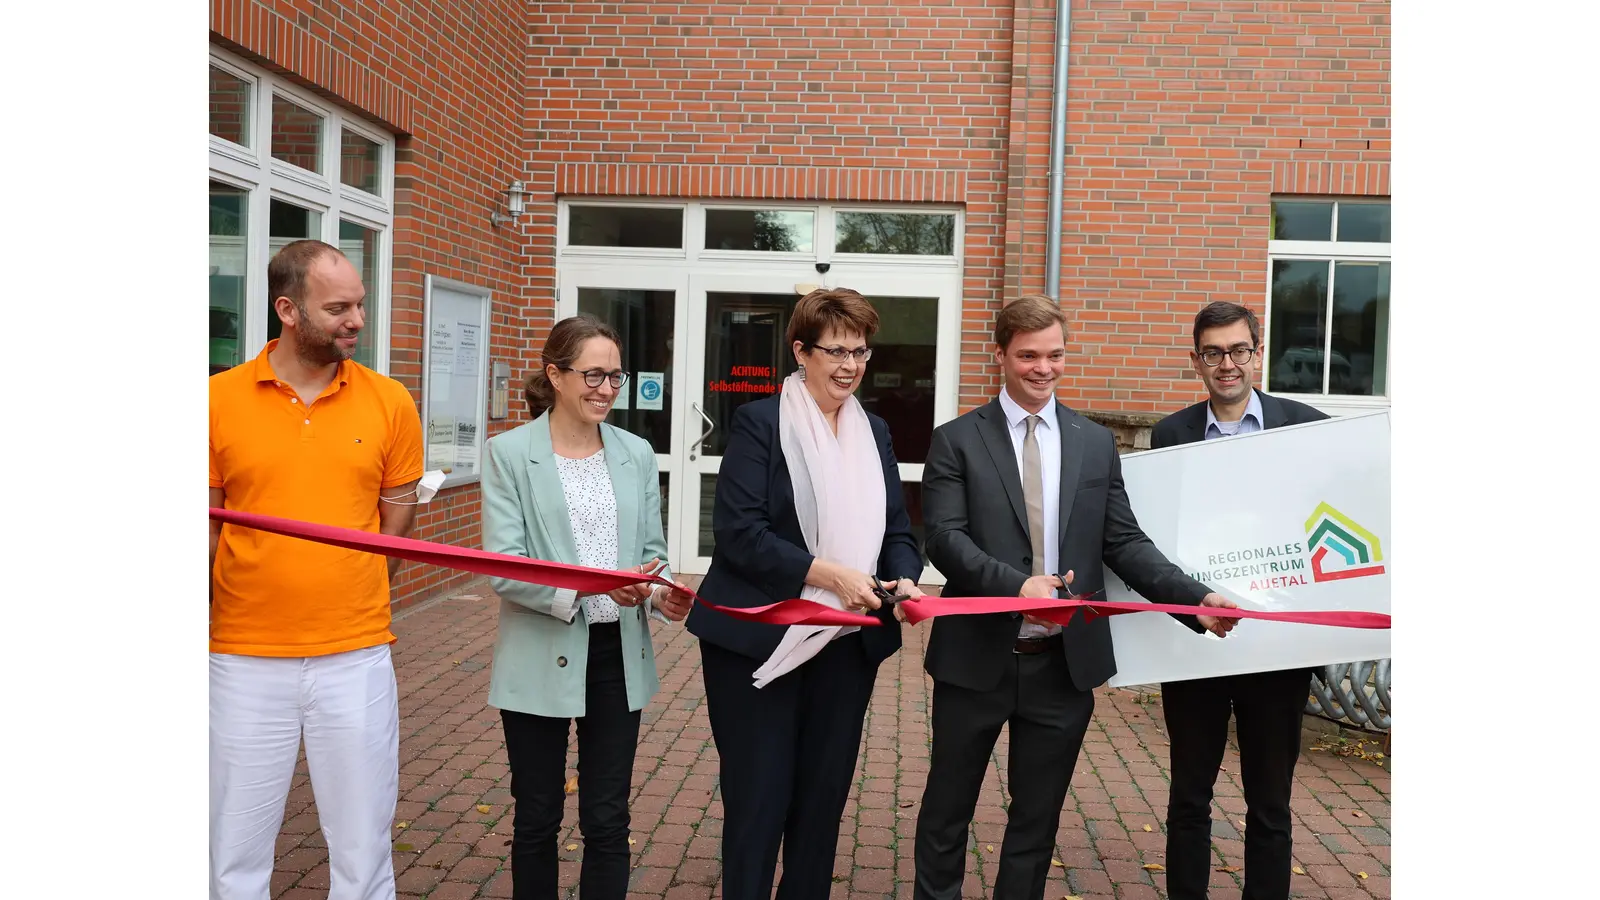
column 1015, row 413
column 263, row 367
column 1252, row 411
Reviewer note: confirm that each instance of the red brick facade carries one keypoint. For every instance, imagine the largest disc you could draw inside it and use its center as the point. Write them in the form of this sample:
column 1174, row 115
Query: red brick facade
column 1183, row 119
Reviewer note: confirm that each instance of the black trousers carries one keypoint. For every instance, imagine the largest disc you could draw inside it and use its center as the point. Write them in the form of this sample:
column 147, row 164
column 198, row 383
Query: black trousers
column 1048, row 718
column 1269, row 707
column 536, row 749
column 788, row 752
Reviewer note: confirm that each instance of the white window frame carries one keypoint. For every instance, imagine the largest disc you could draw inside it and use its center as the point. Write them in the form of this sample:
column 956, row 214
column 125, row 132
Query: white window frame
column 1330, row 252
column 692, row 271
column 694, row 233
column 254, row 170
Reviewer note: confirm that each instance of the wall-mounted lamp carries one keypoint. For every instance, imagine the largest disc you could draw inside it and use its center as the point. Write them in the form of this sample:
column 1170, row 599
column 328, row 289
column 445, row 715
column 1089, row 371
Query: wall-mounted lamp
column 514, row 206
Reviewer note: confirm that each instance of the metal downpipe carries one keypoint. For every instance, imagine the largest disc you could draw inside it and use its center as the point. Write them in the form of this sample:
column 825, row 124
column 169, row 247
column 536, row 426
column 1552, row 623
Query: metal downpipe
column 1058, row 148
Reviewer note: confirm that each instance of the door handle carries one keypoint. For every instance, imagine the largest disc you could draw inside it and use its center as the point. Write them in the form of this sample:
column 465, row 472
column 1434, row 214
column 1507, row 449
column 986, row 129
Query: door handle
column 694, row 449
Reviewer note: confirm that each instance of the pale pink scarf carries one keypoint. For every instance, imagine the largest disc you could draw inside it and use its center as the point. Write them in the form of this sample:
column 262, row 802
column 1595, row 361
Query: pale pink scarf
column 839, row 500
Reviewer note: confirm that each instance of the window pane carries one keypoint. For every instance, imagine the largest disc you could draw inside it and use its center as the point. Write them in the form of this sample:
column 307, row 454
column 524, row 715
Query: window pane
column 230, row 223
column 230, row 107
column 1298, row 332
column 624, row 226
column 706, row 539
column 1364, row 222
column 287, row 223
column 899, row 382
column 746, row 356
column 779, row 231
column 360, row 244
column 296, row 135
column 912, row 491
column 360, row 162
column 645, row 320
column 1360, row 328
column 1302, row 220
column 663, row 478
column 910, row 234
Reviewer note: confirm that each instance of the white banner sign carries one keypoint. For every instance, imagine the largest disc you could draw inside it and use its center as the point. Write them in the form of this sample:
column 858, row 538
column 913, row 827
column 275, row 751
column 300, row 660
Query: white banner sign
column 1295, row 518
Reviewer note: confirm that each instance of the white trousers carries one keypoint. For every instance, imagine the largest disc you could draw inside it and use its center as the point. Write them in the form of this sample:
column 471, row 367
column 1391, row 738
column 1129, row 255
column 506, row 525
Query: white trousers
column 347, row 706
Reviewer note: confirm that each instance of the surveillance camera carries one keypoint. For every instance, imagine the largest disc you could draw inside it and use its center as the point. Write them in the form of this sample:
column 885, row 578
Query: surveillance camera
column 822, row 268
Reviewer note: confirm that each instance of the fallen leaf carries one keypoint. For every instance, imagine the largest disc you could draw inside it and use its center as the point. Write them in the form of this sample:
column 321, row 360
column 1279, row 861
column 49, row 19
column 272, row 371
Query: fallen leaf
column 906, row 805
column 455, row 662
column 484, row 807
column 989, row 847
column 403, row 848
column 1057, row 863
column 1356, row 813
column 1154, row 867
column 572, row 846
column 1361, row 875
column 1298, row 871
column 1240, row 821
column 572, row 785
column 1147, row 828
column 1072, row 897
column 401, row 824
column 632, row 842
column 1230, row 868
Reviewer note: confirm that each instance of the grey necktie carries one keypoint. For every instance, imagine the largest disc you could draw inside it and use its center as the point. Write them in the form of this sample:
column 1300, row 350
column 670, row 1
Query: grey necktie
column 1033, row 493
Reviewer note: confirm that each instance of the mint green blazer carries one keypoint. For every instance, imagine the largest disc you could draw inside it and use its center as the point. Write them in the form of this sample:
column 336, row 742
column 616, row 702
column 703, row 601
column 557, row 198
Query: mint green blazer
column 541, row 650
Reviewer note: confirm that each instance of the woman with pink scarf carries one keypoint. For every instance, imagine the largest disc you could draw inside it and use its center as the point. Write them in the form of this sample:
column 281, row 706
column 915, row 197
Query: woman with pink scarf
column 808, row 505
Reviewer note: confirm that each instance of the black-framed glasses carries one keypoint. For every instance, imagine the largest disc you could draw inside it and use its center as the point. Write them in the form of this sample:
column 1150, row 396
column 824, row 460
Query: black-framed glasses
column 837, row 354
column 1239, row 355
column 593, row 377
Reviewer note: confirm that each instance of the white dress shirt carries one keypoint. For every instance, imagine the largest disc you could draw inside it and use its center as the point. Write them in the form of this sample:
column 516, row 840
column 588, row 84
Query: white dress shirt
column 1048, row 433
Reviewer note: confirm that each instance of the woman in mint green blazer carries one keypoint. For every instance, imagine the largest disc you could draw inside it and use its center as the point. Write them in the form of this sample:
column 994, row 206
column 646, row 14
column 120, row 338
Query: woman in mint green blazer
column 569, row 488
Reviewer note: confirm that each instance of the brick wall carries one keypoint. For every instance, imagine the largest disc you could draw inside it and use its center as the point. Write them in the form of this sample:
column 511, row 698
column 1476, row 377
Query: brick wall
column 1183, row 119
column 1185, row 116
column 814, row 100
column 447, row 78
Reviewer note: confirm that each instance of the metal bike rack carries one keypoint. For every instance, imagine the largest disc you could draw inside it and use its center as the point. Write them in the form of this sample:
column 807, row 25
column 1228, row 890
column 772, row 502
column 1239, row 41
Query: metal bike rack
column 1355, row 692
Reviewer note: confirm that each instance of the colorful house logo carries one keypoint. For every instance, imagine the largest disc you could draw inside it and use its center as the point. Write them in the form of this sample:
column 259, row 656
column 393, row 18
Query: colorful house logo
column 1339, row 547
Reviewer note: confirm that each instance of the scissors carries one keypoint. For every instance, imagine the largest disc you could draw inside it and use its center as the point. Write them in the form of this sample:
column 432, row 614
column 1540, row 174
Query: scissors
column 882, row 593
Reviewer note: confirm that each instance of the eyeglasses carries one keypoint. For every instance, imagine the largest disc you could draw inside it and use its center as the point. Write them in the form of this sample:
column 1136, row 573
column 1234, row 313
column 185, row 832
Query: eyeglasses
column 837, row 354
column 1239, row 355
column 593, row 377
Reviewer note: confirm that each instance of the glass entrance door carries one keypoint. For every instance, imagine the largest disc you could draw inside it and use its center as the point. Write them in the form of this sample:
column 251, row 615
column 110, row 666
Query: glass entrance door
column 738, row 353
column 647, row 309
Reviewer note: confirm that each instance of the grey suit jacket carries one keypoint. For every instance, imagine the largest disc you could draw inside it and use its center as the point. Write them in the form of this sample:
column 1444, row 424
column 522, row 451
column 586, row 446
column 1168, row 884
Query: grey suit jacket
column 977, row 536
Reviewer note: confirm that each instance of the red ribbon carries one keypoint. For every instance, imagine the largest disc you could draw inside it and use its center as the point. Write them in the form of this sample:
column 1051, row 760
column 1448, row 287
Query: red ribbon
column 586, row 580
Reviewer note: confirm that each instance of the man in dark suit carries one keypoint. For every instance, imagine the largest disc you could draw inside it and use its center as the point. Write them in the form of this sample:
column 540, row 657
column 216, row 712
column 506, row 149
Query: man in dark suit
column 1268, row 705
column 1013, row 492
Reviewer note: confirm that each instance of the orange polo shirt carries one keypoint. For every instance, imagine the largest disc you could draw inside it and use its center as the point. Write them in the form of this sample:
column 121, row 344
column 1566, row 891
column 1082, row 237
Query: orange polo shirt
column 324, row 463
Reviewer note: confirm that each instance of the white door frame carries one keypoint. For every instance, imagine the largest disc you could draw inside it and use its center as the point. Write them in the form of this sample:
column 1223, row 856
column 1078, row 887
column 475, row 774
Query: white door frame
column 691, row 281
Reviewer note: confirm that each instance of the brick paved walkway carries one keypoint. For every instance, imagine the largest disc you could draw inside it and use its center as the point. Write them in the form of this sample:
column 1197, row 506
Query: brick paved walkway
column 453, row 824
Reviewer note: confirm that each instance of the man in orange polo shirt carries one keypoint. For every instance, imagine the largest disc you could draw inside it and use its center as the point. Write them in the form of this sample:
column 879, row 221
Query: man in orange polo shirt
column 299, row 630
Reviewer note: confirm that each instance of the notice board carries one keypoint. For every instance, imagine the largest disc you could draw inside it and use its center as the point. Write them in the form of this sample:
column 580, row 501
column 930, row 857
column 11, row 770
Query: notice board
column 455, row 366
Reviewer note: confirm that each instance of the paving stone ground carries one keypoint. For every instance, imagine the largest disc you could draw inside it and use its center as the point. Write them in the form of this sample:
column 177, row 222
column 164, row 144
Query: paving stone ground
column 452, row 827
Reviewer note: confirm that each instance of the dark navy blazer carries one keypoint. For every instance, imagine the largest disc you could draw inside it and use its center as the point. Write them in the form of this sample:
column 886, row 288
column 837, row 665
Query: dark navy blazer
column 761, row 556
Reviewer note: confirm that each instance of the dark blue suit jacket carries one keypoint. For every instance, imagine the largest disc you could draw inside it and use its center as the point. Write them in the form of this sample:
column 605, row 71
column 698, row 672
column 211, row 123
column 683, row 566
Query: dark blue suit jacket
column 761, row 556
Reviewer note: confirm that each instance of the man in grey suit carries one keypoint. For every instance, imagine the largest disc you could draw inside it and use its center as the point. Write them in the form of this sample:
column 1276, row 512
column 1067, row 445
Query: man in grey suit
column 1014, row 492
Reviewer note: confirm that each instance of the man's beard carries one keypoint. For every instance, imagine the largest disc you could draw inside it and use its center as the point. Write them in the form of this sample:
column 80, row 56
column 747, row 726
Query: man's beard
column 316, row 347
